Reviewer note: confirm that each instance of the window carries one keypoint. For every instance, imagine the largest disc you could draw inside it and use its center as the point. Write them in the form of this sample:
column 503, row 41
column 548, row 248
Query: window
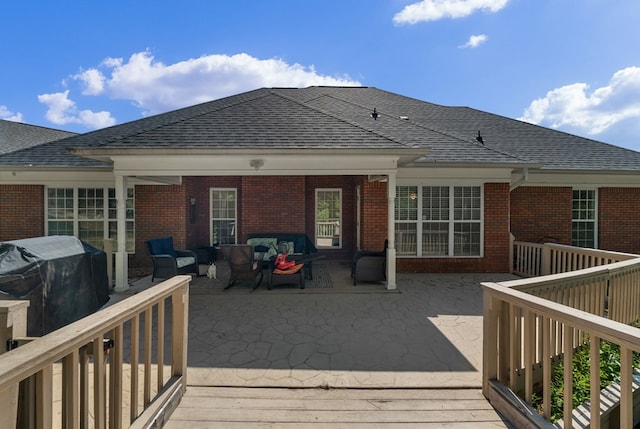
column 223, row 216
column 584, row 218
column 438, row 221
column 89, row 214
column 328, row 218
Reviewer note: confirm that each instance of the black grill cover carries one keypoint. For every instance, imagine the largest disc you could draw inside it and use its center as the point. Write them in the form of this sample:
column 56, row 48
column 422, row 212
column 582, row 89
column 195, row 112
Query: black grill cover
column 64, row 279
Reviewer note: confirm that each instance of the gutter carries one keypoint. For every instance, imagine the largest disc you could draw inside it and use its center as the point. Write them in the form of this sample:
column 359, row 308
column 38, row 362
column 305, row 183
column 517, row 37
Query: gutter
column 524, row 178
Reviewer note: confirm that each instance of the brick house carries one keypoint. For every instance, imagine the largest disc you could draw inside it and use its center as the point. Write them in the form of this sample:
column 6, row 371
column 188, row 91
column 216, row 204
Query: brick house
column 349, row 166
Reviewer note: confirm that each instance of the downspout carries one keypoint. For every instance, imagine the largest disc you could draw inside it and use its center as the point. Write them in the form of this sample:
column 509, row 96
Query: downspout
column 514, row 185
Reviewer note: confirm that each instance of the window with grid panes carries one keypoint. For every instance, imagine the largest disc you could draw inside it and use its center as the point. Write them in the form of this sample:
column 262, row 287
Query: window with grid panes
column 584, row 218
column 112, row 214
column 89, row 214
column 223, row 216
column 450, row 221
column 328, row 218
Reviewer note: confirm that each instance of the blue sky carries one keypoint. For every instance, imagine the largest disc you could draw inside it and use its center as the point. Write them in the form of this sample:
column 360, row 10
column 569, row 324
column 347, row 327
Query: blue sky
column 573, row 65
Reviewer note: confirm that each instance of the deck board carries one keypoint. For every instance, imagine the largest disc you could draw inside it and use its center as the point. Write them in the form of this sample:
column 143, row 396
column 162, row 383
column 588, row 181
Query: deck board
column 354, row 408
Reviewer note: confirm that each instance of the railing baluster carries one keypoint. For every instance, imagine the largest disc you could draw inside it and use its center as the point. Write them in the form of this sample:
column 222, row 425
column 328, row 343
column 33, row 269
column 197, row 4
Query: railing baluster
column 135, row 346
column 529, row 342
column 568, row 375
column 115, row 378
column 99, row 384
column 547, row 340
column 71, row 391
column 160, row 351
column 148, row 324
column 626, row 388
column 594, row 380
column 44, row 397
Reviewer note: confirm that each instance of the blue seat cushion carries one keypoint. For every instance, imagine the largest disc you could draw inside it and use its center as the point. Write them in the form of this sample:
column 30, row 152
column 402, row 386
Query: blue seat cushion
column 162, row 246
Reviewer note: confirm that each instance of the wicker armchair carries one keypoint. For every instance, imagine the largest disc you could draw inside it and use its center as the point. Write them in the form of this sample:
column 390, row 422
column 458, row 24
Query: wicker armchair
column 369, row 265
column 243, row 264
column 169, row 262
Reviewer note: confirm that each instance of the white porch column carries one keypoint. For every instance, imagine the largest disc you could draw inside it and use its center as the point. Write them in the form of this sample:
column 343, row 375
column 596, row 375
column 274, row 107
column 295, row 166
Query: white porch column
column 391, row 234
column 122, row 263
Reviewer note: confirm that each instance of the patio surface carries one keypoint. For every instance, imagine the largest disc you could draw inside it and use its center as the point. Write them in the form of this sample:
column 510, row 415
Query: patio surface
column 427, row 333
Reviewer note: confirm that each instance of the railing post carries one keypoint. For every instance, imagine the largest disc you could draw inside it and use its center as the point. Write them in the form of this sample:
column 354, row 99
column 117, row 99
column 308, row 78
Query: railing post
column 180, row 331
column 13, row 323
column 491, row 315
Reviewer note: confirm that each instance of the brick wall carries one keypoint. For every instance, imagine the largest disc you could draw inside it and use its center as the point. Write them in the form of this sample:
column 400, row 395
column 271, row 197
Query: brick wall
column 22, row 211
column 198, row 233
column 619, row 219
column 541, row 214
column 373, row 222
column 272, row 203
column 160, row 211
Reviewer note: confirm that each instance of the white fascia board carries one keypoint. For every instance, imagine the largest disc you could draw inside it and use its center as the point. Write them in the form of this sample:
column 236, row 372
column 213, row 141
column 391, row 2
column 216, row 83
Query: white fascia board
column 453, row 176
column 77, row 178
column 57, row 178
column 241, row 165
column 583, row 178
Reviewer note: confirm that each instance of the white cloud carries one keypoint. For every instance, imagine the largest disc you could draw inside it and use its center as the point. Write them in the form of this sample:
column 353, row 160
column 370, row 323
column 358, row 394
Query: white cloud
column 433, row 10
column 475, row 41
column 157, row 87
column 93, row 81
column 574, row 108
column 8, row 115
column 62, row 110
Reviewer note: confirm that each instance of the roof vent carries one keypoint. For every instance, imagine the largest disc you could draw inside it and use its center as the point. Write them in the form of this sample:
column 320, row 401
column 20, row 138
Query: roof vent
column 479, row 139
column 404, row 118
column 374, row 114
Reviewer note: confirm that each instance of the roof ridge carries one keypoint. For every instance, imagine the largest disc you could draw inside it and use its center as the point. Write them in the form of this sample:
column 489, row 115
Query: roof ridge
column 338, row 118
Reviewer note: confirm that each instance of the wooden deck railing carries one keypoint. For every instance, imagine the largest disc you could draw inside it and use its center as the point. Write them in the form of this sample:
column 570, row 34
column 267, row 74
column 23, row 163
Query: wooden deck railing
column 74, row 376
column 530, row 324
column 533, row 259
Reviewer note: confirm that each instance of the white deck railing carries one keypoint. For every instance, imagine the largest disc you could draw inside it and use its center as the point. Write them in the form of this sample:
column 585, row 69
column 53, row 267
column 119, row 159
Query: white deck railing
column 534, row 259
column 67, row 382
column 530, row 324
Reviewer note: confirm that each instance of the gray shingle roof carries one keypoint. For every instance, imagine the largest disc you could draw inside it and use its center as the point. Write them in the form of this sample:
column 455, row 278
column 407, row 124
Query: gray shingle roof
column 340, row 118
column 16, row 135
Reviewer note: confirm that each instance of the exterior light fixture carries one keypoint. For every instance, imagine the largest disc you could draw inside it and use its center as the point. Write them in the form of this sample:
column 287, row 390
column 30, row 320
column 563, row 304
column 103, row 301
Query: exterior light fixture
column 256, row 163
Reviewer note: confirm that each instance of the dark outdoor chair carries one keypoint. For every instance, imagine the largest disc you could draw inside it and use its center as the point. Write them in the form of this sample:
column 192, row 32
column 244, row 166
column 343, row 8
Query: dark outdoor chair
column 293, row 276
column 369, row 265
column 243, row 264
column 169, row 262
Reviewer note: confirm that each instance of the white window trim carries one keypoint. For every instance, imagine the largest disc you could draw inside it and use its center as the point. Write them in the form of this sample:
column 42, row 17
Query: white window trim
column 211, row 218
column 595, row 213
column 451, row 222
column 315, row 220
column 76, row 220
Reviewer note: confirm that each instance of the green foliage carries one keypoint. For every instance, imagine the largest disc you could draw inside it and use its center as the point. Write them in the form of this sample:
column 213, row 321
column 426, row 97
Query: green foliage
column 609, row 373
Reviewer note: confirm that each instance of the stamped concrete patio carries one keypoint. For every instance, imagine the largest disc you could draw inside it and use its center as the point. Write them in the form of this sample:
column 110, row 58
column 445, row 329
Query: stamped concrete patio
column 427, row 333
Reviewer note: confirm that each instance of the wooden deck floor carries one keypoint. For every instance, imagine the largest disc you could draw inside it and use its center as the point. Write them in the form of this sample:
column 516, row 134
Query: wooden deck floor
column 233, row 407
